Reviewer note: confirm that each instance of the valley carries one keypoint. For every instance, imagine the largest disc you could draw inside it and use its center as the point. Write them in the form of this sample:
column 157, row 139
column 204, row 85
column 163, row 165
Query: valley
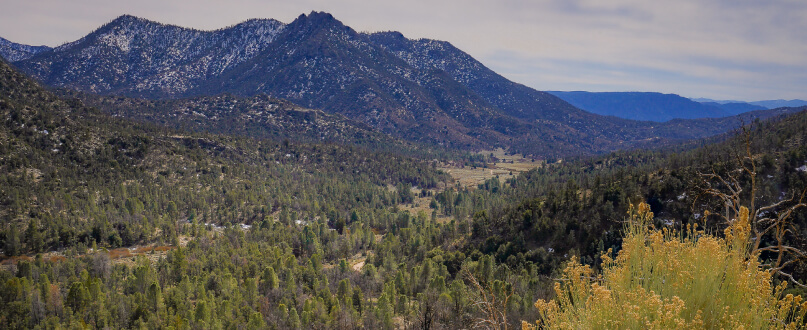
column 305, row 175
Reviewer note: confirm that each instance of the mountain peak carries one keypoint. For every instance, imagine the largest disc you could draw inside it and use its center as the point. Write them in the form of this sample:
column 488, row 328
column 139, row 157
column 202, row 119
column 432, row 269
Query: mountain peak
column 127, row 24
column 321, row 16
column 317, row 20
column 126, row 17
column 129, row 19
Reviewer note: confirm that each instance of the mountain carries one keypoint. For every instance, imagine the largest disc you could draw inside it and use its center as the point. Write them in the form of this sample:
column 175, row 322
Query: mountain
column 514, row 99
column 131, row 55
column 641, row 106
column 425, row 91
column 735, row 108
column 320, row 63
column 12, row 51
column 314, row 61
column 770, row 104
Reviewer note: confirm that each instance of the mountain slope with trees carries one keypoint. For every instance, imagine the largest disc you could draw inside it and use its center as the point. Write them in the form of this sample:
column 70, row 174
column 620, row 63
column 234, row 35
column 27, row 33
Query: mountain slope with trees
column 260, row 117
column 576, row 208
column 73, row 170
column 425, row 91
column 12, row 52
column 131, row 55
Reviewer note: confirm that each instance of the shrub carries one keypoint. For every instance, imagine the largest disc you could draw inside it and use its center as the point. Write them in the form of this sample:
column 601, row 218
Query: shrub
column 663, row 279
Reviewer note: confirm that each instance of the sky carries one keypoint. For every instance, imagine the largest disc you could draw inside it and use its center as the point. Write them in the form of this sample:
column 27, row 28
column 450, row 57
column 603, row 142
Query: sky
column 721, row 49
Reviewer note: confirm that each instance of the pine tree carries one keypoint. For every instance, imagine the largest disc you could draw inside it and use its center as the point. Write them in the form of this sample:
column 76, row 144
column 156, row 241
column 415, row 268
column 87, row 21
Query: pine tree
column 12, row 246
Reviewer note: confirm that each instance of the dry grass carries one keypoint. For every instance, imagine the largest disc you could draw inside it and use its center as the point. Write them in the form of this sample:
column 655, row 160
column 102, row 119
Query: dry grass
column 57, row 259
column 472, row 177
column 164, row 248
column 506, row 167
column 184, row 239
column 127, row 256
column 143, row 249
column 119, row 253
column 14, row 260
column 357, row 261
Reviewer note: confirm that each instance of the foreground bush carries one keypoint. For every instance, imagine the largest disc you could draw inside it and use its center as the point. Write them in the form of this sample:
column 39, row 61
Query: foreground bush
column 663, row 279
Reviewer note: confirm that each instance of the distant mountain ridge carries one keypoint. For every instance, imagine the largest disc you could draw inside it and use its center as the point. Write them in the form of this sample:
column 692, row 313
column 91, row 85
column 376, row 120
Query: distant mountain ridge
column 736, row 108
column 421, row 90
column 772, row 104
column 642, row 105
column 768, row 104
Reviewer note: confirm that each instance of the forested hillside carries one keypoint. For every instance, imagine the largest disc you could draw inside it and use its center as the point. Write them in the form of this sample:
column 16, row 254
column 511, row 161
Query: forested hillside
column 109, row 222
column 259, row 117
column 577, row 208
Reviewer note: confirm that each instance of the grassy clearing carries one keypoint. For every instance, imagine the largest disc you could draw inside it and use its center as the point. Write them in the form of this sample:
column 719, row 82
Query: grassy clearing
column 505, row 167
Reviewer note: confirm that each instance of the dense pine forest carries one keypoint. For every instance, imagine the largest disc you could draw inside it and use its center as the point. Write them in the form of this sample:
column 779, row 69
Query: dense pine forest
column 115, row 223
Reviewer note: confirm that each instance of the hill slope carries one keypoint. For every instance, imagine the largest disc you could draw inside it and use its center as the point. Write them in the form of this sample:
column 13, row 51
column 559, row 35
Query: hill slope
column 259, row 116
column 67, row 165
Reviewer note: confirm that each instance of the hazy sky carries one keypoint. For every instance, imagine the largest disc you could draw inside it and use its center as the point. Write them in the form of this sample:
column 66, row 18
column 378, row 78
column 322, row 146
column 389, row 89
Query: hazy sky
column 722, row 49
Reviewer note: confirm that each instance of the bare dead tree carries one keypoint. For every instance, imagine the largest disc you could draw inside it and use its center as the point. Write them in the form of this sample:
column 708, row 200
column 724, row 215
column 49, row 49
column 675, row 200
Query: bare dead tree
column 491, row 300
column 774, row 220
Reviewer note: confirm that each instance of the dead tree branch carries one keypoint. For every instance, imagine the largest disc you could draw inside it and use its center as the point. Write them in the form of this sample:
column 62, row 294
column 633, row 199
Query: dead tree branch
column 772, row 221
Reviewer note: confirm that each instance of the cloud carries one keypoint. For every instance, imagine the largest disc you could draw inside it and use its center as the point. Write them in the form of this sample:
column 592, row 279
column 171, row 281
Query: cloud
column 734, row 49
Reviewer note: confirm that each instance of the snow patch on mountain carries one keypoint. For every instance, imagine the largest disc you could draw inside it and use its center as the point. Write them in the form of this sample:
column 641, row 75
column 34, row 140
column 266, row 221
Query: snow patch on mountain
column 12, row 51
column 141, row 55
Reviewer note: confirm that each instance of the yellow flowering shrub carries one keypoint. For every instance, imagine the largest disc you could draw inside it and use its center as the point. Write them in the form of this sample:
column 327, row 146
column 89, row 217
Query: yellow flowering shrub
column 664, row 279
